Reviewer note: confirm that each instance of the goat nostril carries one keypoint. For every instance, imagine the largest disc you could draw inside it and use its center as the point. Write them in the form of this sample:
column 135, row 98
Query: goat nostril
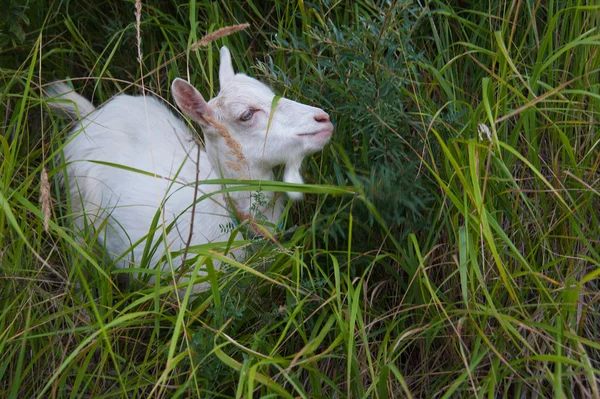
column 322, row 118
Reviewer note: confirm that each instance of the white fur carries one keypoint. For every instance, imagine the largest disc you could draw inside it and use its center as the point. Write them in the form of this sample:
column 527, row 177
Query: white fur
column 143, row 134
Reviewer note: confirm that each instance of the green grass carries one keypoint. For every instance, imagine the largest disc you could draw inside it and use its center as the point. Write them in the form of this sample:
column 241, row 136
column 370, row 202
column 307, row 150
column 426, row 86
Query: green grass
column 465, row 264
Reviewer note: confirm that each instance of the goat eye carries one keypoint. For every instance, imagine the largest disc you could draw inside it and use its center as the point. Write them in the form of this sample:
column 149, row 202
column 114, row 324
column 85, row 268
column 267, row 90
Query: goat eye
column 247, row 115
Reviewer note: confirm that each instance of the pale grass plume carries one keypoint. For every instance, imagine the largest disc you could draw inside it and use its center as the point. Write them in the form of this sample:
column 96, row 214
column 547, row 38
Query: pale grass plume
column 138, row 21
column 45, row 198
column 235, row 148
column 219, row 33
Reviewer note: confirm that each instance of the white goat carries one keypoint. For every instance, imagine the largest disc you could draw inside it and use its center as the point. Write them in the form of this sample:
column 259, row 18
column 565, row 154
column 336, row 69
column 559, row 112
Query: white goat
column 245, row 138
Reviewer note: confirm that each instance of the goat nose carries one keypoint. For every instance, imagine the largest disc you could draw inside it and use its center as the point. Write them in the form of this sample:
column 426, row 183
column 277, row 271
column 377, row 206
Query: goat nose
column 322, row 118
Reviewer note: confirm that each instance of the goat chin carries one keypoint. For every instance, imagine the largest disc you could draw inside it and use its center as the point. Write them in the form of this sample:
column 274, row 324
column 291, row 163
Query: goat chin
column 135, row 171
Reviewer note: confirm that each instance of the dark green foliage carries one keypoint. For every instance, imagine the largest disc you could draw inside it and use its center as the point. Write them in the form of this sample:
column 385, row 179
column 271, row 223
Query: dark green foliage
column 12, row 22
column 366, row 71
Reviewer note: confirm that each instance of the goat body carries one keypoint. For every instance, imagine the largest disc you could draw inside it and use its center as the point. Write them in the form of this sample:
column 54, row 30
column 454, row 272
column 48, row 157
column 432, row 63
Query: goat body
column 133, row 158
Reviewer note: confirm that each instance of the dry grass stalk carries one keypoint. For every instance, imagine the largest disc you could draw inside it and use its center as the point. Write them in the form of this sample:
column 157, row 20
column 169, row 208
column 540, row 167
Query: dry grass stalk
column 45, row 198
column 234, row 166
column 235, row 148
column 219, row 33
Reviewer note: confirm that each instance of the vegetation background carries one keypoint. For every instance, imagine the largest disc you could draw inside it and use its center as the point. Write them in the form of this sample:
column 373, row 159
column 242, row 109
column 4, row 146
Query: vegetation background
column 465, row 264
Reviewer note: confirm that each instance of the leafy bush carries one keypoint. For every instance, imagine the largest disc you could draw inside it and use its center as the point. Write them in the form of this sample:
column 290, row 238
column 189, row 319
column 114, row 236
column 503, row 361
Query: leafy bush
column 364, row 71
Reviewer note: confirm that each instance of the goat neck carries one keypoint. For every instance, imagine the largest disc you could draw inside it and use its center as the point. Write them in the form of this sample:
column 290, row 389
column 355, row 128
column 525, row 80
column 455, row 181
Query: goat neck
column 230, row 163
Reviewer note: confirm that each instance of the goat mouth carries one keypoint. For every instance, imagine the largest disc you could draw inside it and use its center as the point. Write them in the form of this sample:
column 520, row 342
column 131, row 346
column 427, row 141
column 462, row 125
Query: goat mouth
column 322, row 132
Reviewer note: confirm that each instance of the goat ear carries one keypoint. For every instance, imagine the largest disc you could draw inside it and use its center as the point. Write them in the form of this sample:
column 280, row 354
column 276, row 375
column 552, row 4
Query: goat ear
column 226, row 73
column 291, row 174
column 190, row 101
